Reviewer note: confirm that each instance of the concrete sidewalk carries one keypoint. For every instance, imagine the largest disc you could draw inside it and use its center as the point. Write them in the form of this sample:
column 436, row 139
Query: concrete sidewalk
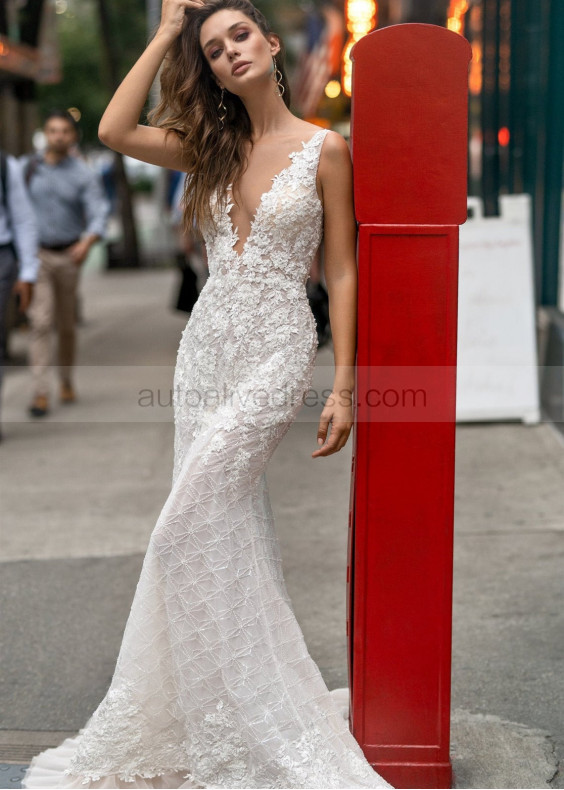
column 81, row 491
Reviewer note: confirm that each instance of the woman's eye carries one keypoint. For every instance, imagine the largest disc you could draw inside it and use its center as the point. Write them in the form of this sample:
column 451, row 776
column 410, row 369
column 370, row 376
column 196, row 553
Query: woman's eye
column 217, row 51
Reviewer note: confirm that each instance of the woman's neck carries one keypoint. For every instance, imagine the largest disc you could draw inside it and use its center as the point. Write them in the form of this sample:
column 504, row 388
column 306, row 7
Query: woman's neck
column 268, row 114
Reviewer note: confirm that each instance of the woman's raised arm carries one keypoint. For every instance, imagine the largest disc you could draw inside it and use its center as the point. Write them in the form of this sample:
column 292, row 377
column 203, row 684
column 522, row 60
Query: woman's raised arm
column 119, row 126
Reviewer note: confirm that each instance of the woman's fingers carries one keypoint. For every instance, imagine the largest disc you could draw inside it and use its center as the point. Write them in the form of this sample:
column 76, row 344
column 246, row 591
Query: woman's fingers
column 337, row 439
column 323, row 428
column 339, row 415
column 173, row 13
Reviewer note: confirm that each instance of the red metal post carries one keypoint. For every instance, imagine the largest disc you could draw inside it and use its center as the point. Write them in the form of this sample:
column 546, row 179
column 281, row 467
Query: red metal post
column 409, row 150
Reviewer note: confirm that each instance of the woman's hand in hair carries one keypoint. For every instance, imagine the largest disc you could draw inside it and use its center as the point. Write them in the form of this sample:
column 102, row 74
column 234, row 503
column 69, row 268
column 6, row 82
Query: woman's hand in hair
column 119, row 127
column 173, row 13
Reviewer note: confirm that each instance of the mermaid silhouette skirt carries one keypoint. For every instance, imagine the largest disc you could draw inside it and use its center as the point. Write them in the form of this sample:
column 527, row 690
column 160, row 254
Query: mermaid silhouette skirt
column 214, row 685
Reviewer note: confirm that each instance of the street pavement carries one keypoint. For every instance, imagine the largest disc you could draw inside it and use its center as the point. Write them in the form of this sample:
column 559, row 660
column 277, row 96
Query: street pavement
column 81, row 491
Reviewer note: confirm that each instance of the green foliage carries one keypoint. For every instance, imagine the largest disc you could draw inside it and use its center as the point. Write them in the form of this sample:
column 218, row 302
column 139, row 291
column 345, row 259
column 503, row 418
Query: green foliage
column 85, row 83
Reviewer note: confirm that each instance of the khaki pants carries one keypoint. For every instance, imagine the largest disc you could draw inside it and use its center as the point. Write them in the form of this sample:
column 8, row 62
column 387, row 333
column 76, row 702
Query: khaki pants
column 53, row 306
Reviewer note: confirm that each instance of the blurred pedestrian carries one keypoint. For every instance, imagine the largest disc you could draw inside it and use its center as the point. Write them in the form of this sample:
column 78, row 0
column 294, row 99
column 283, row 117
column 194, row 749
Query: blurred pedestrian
column 191, row 257
column 319, row 300
column 72, row 214
column 108, row 175
column 19, row 263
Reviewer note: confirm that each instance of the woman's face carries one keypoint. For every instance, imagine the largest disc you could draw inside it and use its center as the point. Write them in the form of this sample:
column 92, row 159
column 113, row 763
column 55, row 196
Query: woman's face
column 229, row 37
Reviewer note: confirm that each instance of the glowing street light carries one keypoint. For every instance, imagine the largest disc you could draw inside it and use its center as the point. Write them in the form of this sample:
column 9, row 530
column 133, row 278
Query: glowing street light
column 455, row 17
column 332, row 89
column 361, row 18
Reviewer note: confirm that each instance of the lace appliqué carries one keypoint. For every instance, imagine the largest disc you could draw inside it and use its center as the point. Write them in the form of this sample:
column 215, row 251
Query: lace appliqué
column 112, row 743
column 219, row 756
column 310, row 761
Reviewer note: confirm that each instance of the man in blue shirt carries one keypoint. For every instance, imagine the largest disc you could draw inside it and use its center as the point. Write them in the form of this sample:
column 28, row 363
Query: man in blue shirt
column 72, row 214
column 19, row 263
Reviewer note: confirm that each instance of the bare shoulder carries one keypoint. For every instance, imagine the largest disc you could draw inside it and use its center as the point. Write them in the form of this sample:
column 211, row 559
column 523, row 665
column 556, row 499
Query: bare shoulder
column 334, row 171
column 335, row 158
column 335, row 147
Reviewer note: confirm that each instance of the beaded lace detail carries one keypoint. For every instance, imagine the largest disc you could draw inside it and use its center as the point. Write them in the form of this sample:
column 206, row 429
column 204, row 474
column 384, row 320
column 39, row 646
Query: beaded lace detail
column 214, row 678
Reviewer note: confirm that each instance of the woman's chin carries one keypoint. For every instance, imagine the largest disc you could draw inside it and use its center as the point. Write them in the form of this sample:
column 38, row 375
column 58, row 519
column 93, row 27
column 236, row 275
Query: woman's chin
column 251, row 87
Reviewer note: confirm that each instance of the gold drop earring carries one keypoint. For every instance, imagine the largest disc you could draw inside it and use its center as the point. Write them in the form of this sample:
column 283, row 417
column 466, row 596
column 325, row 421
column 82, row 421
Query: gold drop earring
column 221, row 111
column 278, row 77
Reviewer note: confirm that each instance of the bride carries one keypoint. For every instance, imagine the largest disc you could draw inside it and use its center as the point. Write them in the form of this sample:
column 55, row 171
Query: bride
column 214, row 685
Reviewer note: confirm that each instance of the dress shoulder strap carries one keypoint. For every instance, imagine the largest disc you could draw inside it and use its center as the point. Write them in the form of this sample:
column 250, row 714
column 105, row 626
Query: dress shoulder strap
column 311, row 152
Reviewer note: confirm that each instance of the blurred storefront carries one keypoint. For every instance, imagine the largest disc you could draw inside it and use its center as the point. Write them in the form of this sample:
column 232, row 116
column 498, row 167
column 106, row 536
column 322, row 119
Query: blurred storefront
column 516, row 107
column 28, row 55
column 517, row 117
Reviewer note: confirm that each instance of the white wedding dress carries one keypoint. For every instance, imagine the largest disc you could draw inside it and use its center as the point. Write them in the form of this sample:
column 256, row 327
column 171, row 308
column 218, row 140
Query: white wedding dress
column 214, row 685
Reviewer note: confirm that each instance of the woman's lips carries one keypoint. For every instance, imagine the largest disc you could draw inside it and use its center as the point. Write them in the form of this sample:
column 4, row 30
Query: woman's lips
column 241, row 68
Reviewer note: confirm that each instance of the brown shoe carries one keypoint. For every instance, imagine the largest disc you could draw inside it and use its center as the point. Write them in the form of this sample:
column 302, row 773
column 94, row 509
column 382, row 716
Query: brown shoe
column 68, row 395
column 40, row 406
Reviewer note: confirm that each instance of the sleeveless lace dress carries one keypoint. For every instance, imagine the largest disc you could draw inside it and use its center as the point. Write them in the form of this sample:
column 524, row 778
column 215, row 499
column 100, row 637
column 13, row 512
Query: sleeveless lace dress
column 214, row 685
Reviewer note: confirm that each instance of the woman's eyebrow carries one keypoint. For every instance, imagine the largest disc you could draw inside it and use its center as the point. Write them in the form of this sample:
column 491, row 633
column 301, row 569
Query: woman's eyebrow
column 229, row 29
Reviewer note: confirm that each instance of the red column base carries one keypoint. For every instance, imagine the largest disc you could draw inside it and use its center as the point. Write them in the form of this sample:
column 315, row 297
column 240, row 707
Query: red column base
column 416, row 775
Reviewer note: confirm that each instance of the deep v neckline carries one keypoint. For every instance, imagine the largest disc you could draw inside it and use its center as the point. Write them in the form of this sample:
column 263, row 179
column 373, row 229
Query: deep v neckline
column 275, row 179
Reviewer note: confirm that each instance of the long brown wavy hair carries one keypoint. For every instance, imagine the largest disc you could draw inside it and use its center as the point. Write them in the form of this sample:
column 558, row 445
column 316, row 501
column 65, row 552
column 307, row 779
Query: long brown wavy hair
column 212, row 157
